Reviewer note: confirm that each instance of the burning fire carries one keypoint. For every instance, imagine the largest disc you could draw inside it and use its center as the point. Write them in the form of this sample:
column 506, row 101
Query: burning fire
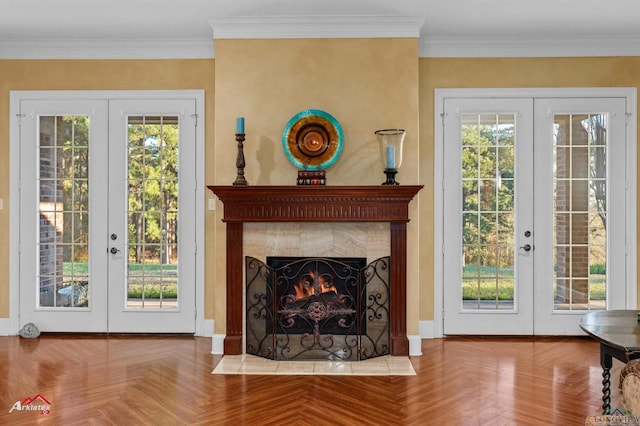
column 311, row 284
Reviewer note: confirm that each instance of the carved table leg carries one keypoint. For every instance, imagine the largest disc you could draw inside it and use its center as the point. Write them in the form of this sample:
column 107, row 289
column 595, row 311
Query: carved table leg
column 606, row 363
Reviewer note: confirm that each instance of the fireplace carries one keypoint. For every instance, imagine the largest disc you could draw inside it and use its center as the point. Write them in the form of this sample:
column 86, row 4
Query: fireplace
column 317, row 308
column 320, row 204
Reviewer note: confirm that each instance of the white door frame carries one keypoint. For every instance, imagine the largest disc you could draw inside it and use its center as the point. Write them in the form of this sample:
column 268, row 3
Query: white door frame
column 629, row 93
column 202, row 327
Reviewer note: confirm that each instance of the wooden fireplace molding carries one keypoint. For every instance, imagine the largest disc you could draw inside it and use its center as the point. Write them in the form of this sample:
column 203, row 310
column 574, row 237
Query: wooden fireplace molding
column 316, row 204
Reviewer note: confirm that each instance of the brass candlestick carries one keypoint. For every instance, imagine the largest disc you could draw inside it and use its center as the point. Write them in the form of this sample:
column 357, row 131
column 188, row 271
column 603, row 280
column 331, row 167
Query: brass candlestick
column 240, row 180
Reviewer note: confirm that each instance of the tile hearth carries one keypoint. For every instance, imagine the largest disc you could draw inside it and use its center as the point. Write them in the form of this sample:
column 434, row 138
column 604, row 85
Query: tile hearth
column 250, row 364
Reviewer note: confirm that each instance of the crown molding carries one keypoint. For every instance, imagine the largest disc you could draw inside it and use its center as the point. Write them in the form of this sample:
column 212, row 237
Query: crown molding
column 378, row 26
column 328, row 26
column 503, row 47
column 106, row 49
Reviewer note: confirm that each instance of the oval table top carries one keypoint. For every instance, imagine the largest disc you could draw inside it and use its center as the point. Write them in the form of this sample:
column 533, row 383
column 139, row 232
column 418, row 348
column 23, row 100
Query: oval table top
column 618, row 328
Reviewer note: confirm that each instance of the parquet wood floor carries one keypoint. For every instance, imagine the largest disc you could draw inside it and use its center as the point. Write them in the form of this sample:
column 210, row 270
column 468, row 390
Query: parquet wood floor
column 121, row 380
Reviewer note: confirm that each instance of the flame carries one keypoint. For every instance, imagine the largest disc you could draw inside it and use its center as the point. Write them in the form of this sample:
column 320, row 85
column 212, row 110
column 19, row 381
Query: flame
column 311, row 284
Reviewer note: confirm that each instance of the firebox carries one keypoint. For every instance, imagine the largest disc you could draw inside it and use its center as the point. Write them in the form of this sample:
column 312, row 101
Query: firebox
column 317, row 308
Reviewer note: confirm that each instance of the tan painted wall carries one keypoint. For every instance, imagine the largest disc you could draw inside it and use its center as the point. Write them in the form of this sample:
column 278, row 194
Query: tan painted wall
column 498, row 72
column 366, row 84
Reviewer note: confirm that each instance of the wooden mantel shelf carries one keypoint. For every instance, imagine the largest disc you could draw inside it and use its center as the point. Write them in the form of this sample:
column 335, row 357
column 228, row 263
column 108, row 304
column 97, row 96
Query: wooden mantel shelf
column 316, row 204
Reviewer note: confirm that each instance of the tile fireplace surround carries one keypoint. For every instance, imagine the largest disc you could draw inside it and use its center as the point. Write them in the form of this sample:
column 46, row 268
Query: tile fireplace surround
column 243, row 204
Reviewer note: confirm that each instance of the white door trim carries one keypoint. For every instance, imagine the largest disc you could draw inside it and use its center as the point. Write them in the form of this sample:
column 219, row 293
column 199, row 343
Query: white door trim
column 201, row 326
column 629, row 93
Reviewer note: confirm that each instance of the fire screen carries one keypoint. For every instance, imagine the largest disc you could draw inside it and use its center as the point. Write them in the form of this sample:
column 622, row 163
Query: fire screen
column 317, row 308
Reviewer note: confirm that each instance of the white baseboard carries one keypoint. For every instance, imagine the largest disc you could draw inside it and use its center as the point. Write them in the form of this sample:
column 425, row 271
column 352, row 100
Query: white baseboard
column 5, row 327
column 425, row 328
column 415, row 345
column 205, row 329
column 217, row 344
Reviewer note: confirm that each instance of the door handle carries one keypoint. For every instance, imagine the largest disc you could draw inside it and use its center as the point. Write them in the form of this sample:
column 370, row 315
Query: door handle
column 114, row 250
column 526, row 247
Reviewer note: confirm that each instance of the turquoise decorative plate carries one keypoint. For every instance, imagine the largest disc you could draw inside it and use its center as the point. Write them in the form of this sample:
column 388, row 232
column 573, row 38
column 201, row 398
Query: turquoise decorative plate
column 312, row 140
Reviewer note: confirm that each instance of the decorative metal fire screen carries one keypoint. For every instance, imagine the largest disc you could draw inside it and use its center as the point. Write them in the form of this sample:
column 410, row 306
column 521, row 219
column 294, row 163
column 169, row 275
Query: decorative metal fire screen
column 317, row 308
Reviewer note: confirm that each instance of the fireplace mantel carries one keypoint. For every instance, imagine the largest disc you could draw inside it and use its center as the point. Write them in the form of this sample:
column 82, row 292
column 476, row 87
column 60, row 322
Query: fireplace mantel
column 316, row 204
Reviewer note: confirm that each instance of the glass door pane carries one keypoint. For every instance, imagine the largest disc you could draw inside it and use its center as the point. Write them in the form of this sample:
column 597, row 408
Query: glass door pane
column 580, row 211
column 152, row 273
column 63, row 225
column 488, row 211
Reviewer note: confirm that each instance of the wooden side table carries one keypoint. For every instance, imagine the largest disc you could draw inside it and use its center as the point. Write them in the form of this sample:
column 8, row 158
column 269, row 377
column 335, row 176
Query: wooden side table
column 619, row 335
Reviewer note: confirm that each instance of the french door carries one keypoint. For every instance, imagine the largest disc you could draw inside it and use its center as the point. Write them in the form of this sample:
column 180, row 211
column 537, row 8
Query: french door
column 534, row 234
column 107, row 215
